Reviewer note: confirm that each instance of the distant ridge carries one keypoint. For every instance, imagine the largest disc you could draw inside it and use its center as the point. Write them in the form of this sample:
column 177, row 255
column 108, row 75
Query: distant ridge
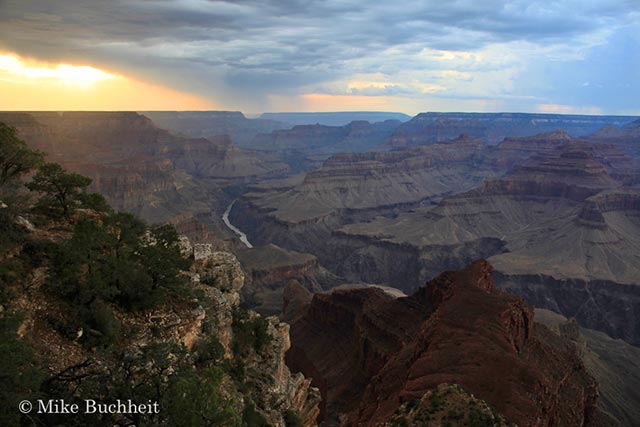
column 431, row 127
column 339, row 118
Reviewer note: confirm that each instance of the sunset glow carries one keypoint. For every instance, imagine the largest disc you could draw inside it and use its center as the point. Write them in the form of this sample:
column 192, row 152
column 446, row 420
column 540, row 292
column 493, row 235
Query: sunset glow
column 17, row 70
column 563, row 56
column 30, row 85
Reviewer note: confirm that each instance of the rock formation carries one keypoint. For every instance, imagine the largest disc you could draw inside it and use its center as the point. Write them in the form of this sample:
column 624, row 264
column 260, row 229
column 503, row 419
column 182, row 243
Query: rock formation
column 458, row 329
column 269, row 268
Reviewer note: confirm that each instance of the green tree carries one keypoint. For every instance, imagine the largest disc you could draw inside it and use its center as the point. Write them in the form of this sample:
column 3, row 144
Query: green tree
column 15, row 157
column 61, row 189
column 95, row 201
column 15, row 160
column 116, row 261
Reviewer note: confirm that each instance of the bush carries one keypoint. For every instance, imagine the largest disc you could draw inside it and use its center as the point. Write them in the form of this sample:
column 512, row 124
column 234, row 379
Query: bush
column 249, row 333
column 101, row 327
column 292, row 419
column 195, row 401
column 37, row 251
column 477, row 418
column 10, row 233
column 208, row 350
column 252, row 418
column 19, row 379
column 106, row 264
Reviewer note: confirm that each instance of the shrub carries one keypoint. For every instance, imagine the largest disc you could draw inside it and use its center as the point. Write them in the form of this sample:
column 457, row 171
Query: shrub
column 292, row 419
column 192, row 400
column 249, row 333
column 37, row 251
column 252, row 418
column 208, row 350
column 19, row 380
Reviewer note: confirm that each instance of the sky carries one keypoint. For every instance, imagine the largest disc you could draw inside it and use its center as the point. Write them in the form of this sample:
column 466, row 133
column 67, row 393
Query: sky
column 561, row 56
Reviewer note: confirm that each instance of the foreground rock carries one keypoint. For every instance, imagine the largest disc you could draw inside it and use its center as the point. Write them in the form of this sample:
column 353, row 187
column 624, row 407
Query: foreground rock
column 457, row 329
column 201, row 335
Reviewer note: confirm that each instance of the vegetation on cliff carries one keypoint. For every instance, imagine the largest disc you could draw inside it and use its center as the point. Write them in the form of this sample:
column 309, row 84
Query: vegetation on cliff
column 97, row 304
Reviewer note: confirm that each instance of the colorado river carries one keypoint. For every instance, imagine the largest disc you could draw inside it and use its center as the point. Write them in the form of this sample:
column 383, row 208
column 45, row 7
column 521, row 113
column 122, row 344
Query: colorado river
column 225, row 218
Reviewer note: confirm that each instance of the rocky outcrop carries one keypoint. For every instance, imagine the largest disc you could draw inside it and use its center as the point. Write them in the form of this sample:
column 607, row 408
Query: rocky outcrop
column 191, row 328
column 275, row 389
column 355, row 325
column 447, row 404
column 269, row 268
column 457, row 329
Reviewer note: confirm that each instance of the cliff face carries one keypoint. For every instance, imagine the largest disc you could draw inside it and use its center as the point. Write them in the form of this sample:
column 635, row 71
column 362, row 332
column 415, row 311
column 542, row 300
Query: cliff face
column 274, row 388
column 457, row 329
column 614, row 364
column 269, row 268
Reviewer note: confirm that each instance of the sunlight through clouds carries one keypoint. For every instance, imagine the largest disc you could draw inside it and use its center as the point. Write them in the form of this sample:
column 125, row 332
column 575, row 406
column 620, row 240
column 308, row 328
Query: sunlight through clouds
column 31, row 85
column 20, row 71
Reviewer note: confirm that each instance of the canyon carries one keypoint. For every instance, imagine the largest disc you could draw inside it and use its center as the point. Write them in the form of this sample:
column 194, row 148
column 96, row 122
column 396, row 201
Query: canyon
column 334, row 224
column 556, row 215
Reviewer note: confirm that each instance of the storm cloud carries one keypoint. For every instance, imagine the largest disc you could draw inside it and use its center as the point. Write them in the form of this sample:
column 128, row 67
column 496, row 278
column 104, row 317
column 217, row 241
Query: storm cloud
column 513, row 54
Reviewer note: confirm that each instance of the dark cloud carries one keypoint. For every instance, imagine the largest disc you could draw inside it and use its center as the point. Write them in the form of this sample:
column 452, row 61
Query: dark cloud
column 224, row 49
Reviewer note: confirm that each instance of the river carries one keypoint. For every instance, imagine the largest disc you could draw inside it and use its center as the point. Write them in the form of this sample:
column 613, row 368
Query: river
column 225, row 218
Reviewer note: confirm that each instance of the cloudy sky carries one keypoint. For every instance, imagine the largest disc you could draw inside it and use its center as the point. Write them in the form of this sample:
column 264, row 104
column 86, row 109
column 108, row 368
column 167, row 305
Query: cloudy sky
column 568, row 56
